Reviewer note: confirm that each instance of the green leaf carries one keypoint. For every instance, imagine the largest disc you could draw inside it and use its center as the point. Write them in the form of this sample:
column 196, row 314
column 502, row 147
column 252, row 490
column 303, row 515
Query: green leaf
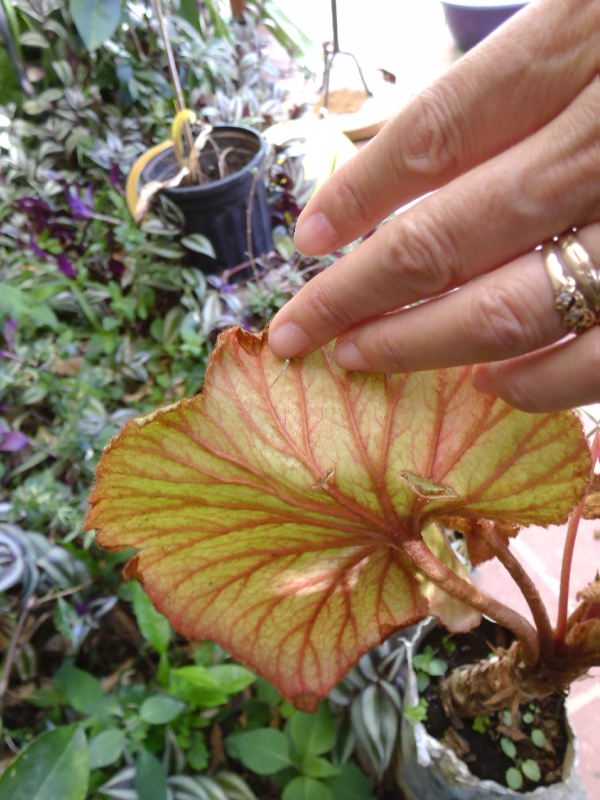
column 53, row 767
column 418, row 712
column 481, row 724
column 513, row 778
column 196, row 686
column 188, row 9
column 351, row 784
column 538, row 737
column 303, row 788
column 81, row 689
column 34, row 39
column 106, row 748
column 262, row 508
column 154, row 627
column 18, row 304
column 312, row 734
column 264, row 750
column 199, row 244
column 508, row 747
column 531, row 770
column 161, row 709
column 318, row 767
column 198, row 754
column 95, row 20
column 437, row 667
column 231, row 678
column 283, row 242
column 150, row 777
column 42, row 102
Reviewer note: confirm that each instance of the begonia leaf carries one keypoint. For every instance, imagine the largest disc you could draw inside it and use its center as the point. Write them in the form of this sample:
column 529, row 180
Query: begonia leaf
column 271, row 512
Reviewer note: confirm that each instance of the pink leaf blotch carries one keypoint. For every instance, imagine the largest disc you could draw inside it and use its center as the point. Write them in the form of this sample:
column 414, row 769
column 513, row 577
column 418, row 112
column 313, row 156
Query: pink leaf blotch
column 270, row 511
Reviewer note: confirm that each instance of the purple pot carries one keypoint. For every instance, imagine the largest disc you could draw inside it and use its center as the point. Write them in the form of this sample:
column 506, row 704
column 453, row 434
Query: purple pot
column 470, row 21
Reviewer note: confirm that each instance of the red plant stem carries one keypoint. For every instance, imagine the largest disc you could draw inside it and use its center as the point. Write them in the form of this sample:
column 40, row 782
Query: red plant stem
column 526, row 585
column 565, row 576
column 437, row 572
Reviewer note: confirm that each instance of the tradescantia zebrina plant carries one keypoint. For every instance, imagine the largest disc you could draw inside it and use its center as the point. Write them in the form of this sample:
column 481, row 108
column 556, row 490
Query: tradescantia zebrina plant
column 293, row 512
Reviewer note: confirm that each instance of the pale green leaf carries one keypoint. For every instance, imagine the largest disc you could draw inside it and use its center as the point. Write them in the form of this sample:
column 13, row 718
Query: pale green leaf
column 264, row 750
column 95, row 20
column 312, row 734
column 54, row 766
column 508, row 747
column 155, row 627
column 514, row 778
column 150, row 777
column 303, row 788
column 161, row 709
column 106, row 748
column 531, row 770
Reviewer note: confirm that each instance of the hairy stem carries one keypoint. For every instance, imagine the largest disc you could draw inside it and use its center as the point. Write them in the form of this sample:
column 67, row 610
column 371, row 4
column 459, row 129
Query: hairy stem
column 437, row 572
column 505, row 682
column 526, row 585
column 565, row 576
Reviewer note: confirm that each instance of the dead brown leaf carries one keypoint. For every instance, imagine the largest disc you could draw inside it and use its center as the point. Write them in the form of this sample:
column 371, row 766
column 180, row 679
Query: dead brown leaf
column 67, row 367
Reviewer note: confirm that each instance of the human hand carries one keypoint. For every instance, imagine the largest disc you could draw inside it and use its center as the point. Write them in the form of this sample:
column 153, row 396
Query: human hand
column 510, row 139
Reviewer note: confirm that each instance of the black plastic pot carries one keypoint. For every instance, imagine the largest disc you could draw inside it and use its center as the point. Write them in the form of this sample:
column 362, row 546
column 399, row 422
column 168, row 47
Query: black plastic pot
column 470, row 21
column 218, row 209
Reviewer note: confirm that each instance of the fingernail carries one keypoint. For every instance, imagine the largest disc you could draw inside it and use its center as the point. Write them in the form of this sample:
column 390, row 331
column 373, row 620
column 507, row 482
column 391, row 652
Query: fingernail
column 349, row 357
column 288, row 340
column 315, row 235
column 483, row 381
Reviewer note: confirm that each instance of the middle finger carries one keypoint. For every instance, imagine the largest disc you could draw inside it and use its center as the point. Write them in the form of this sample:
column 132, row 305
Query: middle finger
column 506, row 313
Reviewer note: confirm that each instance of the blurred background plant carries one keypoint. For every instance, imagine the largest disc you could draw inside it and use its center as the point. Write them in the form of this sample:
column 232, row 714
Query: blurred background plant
column 101, row 320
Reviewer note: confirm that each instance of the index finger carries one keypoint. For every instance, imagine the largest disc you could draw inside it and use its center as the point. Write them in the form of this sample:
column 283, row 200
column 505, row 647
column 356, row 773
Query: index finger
column 511, row 85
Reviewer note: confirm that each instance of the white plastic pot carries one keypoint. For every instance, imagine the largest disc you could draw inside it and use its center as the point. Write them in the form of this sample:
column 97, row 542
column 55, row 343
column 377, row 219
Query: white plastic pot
column 427, row 770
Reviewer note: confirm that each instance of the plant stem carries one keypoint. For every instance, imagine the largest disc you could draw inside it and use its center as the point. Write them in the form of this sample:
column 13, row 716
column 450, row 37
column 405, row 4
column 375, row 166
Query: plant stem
column 180, row 100
column 437, row 572
column 565, row 576
column 249, row 209
column 526, row 585
column 170, row 57
column 12, row 650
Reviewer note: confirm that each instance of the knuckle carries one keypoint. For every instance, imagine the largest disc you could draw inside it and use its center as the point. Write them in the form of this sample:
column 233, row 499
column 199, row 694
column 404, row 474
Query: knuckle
column 421, row 261
column 387, row 352
column 350, row 197
column 327, row 309
column 524, row 394
column 432, row 140
column 499, row 321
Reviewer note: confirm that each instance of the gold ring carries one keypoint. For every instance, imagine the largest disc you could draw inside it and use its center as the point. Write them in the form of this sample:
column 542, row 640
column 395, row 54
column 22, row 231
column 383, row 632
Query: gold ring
column 580, row 266
column 575, row 281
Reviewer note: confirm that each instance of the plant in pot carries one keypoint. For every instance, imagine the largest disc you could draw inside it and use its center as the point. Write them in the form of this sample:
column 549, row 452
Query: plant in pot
column 214, row 176
column 296, row 514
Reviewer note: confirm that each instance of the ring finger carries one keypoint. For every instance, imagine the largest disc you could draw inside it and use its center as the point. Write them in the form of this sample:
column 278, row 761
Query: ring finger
column 503, row 314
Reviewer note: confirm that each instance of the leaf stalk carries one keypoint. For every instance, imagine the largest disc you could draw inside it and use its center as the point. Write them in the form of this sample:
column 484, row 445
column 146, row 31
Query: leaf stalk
column 447, row 580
